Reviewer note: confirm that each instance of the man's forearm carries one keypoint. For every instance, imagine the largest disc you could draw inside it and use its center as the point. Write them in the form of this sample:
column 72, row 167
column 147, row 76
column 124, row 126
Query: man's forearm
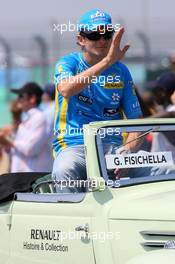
column 75, row 84
column 132, row 143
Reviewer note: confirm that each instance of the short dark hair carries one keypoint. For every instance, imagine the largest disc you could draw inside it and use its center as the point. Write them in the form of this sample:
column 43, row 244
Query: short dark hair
column 49, row 89
column 30, row 88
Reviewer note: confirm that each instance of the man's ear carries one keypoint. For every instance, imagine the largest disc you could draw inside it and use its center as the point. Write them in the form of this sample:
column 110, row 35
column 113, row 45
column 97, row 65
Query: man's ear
column 80, row 40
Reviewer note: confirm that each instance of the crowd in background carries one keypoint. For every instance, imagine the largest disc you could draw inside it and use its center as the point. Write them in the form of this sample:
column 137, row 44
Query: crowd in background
column 26, row 143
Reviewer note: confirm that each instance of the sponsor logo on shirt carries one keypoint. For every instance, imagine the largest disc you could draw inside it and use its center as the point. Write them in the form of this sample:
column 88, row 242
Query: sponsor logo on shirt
column 135, row 106
column 82, row 113
column 115, row 97
column 114, row 85
column 110, row 112
column 130, row 82
column 60, row 68
column 85, row 99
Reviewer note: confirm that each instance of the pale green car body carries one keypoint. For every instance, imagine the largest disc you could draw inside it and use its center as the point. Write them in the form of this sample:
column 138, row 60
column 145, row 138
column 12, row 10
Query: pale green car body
column 127, row 225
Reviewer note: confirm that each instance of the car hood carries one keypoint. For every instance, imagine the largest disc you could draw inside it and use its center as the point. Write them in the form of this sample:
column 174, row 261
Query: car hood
column 153, row 201
column 142, row 220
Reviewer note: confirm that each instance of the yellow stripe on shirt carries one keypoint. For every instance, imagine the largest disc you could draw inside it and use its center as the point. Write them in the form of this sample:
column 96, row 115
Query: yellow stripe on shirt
column 125, row 135
column 62, row 124
column 56, row 104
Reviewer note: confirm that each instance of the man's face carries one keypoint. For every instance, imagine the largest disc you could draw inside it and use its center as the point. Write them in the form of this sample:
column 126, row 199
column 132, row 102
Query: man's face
column 99, row 47
column 173, row 98
column 26, row 101
column 161, row 96
column 45, row 98
column 172, row 62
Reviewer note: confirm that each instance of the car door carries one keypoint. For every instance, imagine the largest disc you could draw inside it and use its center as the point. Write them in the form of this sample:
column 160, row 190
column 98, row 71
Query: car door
column 5, row 218
column 51, row 233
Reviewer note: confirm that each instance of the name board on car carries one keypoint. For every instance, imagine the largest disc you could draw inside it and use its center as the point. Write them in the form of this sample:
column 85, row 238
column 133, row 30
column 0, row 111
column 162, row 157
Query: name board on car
column 142, row 159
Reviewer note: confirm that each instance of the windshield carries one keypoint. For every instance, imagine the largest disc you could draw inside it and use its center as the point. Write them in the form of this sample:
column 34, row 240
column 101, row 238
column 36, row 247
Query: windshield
column 136, row 154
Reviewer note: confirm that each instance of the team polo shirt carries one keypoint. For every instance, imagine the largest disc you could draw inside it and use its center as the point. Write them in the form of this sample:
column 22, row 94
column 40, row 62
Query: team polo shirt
column 107, row 96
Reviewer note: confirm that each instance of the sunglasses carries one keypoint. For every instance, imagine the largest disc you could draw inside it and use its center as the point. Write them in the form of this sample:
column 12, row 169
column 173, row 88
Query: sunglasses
column 97, row 35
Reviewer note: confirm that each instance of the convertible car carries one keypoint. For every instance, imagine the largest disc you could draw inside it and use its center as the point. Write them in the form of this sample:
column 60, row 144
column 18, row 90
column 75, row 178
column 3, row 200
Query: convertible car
column 122, row 214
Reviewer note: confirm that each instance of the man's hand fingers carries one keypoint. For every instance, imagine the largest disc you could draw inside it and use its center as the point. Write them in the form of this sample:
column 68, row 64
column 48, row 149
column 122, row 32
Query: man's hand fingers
column 126, row 47
column 118, row 35
column 115, row 52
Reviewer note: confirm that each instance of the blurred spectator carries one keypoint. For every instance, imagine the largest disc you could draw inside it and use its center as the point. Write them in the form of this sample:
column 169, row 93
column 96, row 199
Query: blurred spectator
column 173, row 98
column 149, row 100
column 9, row 130
column 16, row 111
column 172, row 62
column 48, row 106
column 164, row 92
column 4, row 161
column 171, row 107
column 158, row 101
column 30, row 148
column 164, row 89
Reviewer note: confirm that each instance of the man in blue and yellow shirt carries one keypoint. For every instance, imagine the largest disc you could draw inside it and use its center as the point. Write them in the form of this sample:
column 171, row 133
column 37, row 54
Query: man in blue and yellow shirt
column 92, row 85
